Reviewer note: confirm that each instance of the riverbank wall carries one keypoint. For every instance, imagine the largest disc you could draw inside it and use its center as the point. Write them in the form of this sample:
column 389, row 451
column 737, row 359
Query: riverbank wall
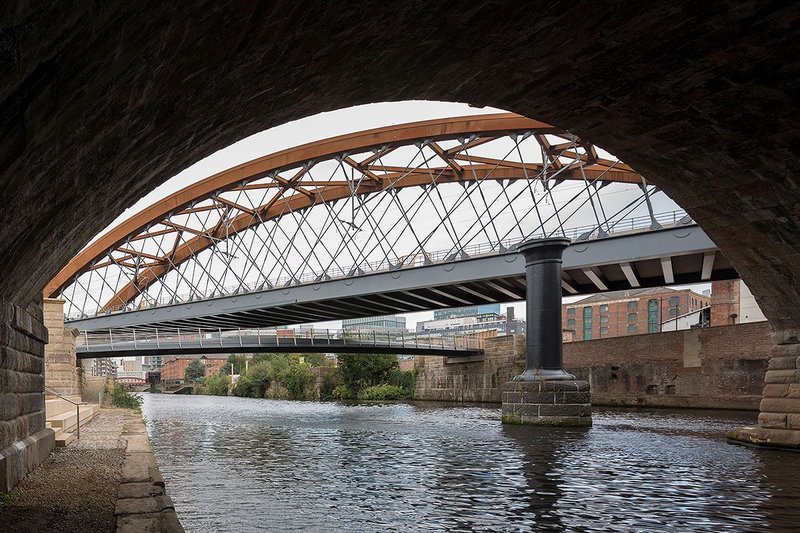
column 717, row 368
column 142, row 501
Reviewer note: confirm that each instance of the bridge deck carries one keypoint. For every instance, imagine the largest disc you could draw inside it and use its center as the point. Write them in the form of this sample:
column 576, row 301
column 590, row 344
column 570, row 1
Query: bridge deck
column 678, row 255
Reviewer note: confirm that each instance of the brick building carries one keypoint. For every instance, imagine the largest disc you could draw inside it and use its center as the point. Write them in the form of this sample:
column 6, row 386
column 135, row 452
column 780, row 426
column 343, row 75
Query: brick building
column 733, row 303
column 630, row 312
column 173, row 369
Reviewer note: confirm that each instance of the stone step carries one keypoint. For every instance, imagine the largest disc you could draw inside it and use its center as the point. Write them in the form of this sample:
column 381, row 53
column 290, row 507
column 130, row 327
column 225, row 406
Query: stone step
column 56, row 406
column 68, row 420
column 64, row 439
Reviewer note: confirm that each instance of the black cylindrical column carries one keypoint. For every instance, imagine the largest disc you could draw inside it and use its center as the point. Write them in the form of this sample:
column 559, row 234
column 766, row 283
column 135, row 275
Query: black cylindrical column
column 543, row 356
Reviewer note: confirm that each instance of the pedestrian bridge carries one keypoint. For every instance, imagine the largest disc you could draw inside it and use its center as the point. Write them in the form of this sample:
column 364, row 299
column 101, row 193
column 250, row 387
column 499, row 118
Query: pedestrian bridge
column 299, row 340
column 406, row 218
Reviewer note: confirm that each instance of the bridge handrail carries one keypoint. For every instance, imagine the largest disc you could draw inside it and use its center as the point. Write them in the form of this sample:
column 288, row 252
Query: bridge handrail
column 77, row 410
column 199, row 338
column 580, row 233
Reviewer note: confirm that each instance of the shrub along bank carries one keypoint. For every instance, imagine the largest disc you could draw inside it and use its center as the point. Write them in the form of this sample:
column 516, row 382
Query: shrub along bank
column 289, row 376
column 368, row 377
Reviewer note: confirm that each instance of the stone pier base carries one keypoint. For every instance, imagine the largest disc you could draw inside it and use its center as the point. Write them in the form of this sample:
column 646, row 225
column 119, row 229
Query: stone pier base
column 547, row 403
column 779, row 419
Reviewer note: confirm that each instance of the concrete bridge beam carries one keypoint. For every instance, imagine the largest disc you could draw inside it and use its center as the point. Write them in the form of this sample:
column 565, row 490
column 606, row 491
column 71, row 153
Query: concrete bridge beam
column 545, row 394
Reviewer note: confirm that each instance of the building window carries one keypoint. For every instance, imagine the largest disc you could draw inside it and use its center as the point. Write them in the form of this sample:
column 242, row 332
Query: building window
column 604, row 308
column 674, row 301
column 633, row 328
column 633, row 306
column 570, row 311
column 604, row 319
column 652, row 316
column 603, row 330
column 632, row 317
column 587, row 323
column 571, row 323
column 673, row 312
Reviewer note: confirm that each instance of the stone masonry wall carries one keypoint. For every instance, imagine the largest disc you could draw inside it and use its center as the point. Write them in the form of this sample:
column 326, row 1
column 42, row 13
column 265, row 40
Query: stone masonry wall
column 24, row 440
column 720, row 367
column 61, row 374
column 480, row 381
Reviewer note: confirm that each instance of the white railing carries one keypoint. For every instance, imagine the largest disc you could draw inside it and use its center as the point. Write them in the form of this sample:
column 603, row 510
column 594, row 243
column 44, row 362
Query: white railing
column 108, row 341
column 580, row 233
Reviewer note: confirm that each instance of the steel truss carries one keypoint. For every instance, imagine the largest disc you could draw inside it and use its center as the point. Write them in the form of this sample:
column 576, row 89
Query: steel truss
column 379, row 200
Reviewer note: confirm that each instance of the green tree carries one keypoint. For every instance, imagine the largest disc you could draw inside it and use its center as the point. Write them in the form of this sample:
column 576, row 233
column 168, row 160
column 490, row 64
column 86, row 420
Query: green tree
column 237, row 360
column 255, row 382
column 195, row 371
column 217, row 384
column 361, row 370
column 299, row 382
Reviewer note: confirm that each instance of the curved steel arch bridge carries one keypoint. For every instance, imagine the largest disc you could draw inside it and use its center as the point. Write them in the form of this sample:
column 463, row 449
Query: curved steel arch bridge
column 363, row 210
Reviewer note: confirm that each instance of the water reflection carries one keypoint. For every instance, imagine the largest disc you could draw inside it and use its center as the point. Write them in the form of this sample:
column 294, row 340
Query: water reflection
column 236, row 464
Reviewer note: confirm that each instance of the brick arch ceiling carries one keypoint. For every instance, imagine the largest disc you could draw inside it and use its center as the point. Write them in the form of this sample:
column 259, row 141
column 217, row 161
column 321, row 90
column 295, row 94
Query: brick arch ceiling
column 99, row 103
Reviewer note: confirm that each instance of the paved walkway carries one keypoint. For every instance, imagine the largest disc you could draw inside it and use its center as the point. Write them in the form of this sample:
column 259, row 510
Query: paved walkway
column 75, row 490
column 105, row 482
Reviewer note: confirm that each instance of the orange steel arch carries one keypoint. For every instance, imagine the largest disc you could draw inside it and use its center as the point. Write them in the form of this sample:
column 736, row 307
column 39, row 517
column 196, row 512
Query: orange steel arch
column 485, row 127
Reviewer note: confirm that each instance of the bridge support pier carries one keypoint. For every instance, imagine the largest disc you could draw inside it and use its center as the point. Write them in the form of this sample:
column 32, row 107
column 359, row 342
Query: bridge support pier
column 24, row 440
column 545, row 394
column 779, row 416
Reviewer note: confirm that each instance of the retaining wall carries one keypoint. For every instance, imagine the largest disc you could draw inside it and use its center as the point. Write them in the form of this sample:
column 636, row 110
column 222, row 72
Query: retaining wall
column 720, row 367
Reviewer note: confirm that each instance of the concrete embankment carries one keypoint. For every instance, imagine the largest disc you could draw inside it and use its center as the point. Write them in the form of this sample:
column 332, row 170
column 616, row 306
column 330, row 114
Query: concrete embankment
column 106, row 481
column 716, row 368
column 142, row 503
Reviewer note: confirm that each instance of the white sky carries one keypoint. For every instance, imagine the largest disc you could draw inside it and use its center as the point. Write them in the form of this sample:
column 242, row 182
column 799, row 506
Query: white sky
column 317, row 127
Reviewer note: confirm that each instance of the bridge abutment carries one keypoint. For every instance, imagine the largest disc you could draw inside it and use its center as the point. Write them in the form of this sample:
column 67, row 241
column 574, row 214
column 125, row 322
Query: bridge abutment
column 60, row 361
column 545, row 394
column 24, row 440
column 779, row 416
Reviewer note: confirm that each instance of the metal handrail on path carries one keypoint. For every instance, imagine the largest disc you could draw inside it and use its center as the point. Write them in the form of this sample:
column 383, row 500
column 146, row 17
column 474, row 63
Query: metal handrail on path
column 77, row 410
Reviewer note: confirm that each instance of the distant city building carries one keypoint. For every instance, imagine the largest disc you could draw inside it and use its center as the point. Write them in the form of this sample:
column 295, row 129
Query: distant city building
column 102, row 366
column 173, row 370
column 152, row 362
column 470, row 324
column 733, row 303
column 630, row 312
column 132, row 365
column 386, row 322
column 473, row 310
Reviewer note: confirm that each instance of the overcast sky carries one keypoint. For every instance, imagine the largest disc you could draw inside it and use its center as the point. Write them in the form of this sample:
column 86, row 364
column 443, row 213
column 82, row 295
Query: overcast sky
column 318, row 127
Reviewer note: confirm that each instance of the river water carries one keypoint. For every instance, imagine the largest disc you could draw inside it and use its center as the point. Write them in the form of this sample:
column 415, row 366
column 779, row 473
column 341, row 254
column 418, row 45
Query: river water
column 236, row 464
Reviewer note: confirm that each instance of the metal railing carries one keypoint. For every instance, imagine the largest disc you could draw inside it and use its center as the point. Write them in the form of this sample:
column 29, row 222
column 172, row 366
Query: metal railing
column 77, row 411
column 419, row 259
column 110, row 341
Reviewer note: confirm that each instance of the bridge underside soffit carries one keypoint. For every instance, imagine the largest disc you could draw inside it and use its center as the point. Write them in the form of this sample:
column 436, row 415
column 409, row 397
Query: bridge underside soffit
column 388, row 199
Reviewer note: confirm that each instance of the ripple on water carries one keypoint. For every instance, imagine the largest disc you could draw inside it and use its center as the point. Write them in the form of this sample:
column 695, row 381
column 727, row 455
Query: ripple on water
column 235, row 464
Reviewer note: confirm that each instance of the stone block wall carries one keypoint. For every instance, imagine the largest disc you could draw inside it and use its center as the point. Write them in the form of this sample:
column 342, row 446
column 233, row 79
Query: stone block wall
column 61, row 372
column 442, row 379
column 721, row 367
column 24, row 440
column 779, row 419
